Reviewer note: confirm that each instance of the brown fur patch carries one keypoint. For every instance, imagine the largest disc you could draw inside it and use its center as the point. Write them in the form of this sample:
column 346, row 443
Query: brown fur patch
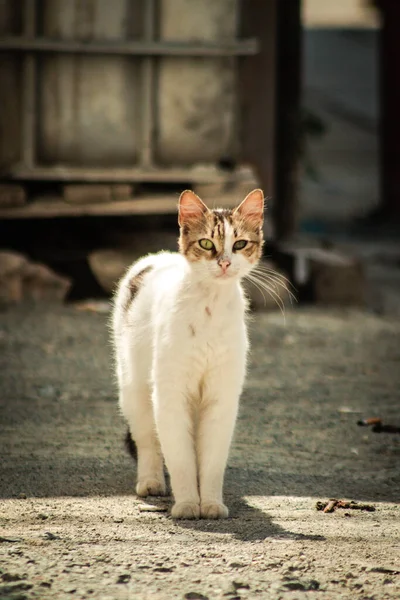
column 135, row 283
column 253, row 251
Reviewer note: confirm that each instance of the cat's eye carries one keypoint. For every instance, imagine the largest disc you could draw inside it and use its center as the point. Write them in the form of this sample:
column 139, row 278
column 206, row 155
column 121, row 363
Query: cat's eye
column 240, row 244
column 206, row 244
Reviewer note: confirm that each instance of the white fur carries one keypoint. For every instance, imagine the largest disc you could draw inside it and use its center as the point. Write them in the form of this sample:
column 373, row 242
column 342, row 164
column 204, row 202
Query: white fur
column 181, row 353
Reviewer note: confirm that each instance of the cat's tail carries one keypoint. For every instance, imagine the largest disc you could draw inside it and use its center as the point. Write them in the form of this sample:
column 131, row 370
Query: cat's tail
column 130, row 445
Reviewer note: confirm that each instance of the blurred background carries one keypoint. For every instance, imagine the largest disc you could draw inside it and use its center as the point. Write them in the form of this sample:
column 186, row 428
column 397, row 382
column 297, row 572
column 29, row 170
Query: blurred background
column 110, row 109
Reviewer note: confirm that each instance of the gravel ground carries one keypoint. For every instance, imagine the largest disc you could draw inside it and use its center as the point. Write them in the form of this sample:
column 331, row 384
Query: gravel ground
column 71, row 526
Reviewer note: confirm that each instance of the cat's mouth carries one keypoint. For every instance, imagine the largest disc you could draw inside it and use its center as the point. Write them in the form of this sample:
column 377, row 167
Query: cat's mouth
column 225, row 276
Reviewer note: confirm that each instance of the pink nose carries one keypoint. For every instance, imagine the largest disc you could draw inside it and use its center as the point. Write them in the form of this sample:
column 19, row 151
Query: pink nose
column 224, row 264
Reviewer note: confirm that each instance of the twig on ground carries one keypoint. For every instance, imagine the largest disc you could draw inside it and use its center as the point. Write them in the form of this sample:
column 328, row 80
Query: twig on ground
column 334, row 503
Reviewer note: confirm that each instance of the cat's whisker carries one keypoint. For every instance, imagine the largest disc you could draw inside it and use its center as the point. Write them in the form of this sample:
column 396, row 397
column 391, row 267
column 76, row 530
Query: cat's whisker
column 261, row 286
column 276, row 279
column 278, row 302
column 277, row 299
column 260, row 289
column 281, row 282
column 277, row 274
column 262, row 267
column 269, row 281
column 273, row 276
column 271, row 289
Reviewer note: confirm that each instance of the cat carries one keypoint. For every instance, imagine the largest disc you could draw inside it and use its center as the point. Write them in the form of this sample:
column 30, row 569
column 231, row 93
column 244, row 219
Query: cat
column 181, row 345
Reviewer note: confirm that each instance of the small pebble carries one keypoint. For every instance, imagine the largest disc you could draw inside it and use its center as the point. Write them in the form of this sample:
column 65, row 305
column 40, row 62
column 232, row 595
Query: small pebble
column 51, row 536
column 152, row 508
column 11, row 577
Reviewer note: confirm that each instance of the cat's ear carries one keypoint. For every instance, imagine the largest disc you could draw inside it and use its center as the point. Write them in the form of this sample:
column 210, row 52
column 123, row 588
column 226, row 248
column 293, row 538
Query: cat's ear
column 252, row 208
column 191, row 208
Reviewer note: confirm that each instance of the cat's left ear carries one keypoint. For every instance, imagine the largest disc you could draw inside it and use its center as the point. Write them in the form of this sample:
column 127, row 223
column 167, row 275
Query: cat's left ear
column 191, row 208
column 252, row 208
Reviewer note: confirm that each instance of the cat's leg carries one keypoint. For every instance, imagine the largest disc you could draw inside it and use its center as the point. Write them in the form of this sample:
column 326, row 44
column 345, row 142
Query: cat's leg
column 136, row 406
column 216, row 425
column 175, row 431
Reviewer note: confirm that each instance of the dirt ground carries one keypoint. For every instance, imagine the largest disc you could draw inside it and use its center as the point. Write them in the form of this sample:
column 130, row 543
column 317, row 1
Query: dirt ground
column 71, row 526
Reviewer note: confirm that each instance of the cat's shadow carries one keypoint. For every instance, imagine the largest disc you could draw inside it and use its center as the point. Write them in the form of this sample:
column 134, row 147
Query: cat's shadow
column 246, row 523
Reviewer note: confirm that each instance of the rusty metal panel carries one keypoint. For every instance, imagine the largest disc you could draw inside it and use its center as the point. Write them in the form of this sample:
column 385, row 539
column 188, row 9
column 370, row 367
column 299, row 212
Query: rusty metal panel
column 196, row 97
column 10, row 86
column 89, row 105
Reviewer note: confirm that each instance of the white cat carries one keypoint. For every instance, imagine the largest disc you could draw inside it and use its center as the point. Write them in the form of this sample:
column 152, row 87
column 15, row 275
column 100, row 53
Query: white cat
column 181, row 344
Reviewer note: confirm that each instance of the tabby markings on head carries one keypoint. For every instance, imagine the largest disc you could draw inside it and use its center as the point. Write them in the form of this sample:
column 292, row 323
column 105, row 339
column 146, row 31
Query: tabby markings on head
column 221, row 226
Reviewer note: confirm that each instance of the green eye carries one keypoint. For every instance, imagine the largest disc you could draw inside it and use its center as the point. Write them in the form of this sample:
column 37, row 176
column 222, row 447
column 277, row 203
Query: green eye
column 240, row 244
column 206, row 244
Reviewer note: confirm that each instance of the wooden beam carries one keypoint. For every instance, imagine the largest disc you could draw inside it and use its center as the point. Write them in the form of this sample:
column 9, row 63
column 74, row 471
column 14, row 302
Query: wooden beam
column 147, row 205
column 148, row 90
column 29, row 88
column 246, row 47
column 118, row 174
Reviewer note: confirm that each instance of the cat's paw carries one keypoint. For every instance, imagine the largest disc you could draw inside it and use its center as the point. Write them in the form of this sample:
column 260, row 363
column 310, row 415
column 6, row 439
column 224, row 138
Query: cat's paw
column 213, row 510
column 150, row 487
column 185, row 510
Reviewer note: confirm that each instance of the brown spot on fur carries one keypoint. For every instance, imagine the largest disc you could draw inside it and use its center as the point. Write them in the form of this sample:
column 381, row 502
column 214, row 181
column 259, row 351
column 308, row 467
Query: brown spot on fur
column 135, row 283
column 208, row 311
column 192, row 330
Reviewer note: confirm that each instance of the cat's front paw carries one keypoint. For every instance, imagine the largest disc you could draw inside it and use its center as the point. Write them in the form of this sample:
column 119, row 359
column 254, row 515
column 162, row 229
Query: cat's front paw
column 150, row 487
column 185, row 510
column 213, row 510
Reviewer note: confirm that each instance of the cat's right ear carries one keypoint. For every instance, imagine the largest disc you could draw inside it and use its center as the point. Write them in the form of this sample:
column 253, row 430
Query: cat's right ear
column 191, row 208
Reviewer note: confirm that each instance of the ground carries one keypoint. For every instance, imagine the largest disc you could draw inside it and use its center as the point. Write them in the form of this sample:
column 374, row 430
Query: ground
column 71, row 526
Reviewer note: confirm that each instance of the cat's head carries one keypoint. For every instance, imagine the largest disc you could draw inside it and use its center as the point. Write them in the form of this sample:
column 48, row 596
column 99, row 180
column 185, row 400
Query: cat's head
column 221, row 244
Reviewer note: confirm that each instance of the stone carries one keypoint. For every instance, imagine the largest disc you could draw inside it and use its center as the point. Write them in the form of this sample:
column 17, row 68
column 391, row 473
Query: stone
column 121, row 191
column 22, row 280
column 124, row 578
column 330, row 276
column 41, row 283
column 12, row 194
column 109, row 265
column 87, row 193
column 11, row 266
column 11, row 262
column 337, row 279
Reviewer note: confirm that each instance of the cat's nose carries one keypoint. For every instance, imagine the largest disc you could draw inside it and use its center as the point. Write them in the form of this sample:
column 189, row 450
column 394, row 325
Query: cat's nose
column 224, row 264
